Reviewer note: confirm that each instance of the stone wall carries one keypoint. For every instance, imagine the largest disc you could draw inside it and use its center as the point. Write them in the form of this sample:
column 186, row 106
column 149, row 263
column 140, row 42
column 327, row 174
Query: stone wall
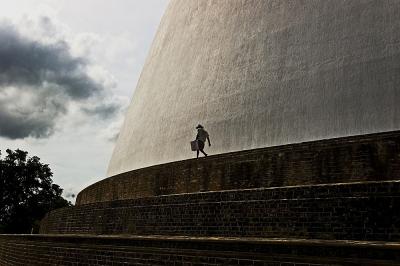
column 95, row 250
column 350, row 159
column 358, row 211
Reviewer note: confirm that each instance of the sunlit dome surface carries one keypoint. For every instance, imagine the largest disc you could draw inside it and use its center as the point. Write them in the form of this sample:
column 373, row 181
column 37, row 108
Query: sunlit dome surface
column 262, row 73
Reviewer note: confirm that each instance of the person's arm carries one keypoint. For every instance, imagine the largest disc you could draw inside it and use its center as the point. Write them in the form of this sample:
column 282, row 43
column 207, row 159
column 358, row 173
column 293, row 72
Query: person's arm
column 209, row 143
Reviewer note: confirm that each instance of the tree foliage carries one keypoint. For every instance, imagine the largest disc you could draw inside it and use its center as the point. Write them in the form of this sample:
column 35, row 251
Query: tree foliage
column 27, row 192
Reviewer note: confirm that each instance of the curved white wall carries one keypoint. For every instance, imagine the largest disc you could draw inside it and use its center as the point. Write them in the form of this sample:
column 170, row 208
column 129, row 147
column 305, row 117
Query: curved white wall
column 263, row 72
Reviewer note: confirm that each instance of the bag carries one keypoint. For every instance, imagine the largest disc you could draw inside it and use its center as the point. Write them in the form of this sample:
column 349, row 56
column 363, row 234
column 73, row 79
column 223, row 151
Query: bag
column 194, row 145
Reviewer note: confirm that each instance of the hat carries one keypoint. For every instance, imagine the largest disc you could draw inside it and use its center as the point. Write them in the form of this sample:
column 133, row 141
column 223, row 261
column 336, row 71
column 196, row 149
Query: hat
column 199, row 126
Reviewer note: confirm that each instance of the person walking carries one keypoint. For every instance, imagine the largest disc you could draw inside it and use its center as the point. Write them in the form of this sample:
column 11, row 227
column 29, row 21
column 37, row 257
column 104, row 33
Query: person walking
column 202, row 136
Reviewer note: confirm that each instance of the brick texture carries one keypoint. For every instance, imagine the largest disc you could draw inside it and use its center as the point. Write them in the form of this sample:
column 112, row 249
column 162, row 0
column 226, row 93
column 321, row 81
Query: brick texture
column 360, row 211
column 350, row 159
column 94, row 250
column 315, row 203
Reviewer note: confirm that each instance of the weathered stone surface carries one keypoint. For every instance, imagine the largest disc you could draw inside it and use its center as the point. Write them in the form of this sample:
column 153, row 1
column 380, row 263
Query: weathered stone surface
column 351, row 159
column 260, row 73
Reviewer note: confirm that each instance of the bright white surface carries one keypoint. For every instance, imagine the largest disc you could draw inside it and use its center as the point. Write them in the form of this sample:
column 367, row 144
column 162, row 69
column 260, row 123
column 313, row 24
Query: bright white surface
column 261, row 73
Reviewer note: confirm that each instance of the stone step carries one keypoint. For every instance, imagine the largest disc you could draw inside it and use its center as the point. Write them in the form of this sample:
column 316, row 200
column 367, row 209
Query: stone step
column 183, row 250
column 352, row 211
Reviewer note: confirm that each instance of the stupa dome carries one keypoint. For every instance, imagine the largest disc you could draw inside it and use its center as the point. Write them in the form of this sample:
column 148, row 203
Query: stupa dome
column 262, row 73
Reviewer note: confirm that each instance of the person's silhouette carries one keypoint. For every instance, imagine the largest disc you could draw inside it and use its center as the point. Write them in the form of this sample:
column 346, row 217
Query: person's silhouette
column 201, row 137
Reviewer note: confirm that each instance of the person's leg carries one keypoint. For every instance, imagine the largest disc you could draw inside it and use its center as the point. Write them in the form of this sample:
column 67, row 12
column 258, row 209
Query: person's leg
column 205, row 154
column 201, row 147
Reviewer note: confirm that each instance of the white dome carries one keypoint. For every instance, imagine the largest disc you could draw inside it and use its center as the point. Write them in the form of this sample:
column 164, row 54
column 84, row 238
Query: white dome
column 261, row 73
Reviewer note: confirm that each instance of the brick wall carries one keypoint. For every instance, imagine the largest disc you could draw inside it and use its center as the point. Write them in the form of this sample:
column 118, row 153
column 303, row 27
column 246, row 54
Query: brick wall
column 95, row 250
column 350, row 159
column 360, row 211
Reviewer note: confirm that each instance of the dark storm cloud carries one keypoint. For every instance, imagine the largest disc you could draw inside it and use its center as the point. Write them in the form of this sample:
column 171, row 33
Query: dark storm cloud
column 49, row 78
column 14, row 128
column 27, row 62
column 35, row 117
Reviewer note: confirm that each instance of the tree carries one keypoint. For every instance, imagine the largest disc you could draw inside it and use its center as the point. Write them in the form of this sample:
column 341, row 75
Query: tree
column 27, row 192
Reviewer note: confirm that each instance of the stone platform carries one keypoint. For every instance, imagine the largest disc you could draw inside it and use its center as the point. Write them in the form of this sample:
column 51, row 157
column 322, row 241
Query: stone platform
column 328, row 202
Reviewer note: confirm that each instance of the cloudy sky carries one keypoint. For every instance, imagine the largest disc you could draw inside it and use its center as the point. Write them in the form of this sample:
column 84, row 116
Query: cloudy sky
column 68, row 69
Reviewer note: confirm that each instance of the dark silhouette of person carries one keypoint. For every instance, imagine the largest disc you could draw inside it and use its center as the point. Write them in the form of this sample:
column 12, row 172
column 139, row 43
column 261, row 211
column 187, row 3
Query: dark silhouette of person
column 201, row 137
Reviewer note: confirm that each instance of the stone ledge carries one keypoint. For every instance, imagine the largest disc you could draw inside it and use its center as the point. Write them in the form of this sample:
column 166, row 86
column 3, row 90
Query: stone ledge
column 126, row 239
column 337, row 190
column 64, row 249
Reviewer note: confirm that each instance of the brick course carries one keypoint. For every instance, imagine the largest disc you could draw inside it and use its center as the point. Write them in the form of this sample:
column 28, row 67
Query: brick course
column 350, row 159
column 360, row 211
column 95, row 250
